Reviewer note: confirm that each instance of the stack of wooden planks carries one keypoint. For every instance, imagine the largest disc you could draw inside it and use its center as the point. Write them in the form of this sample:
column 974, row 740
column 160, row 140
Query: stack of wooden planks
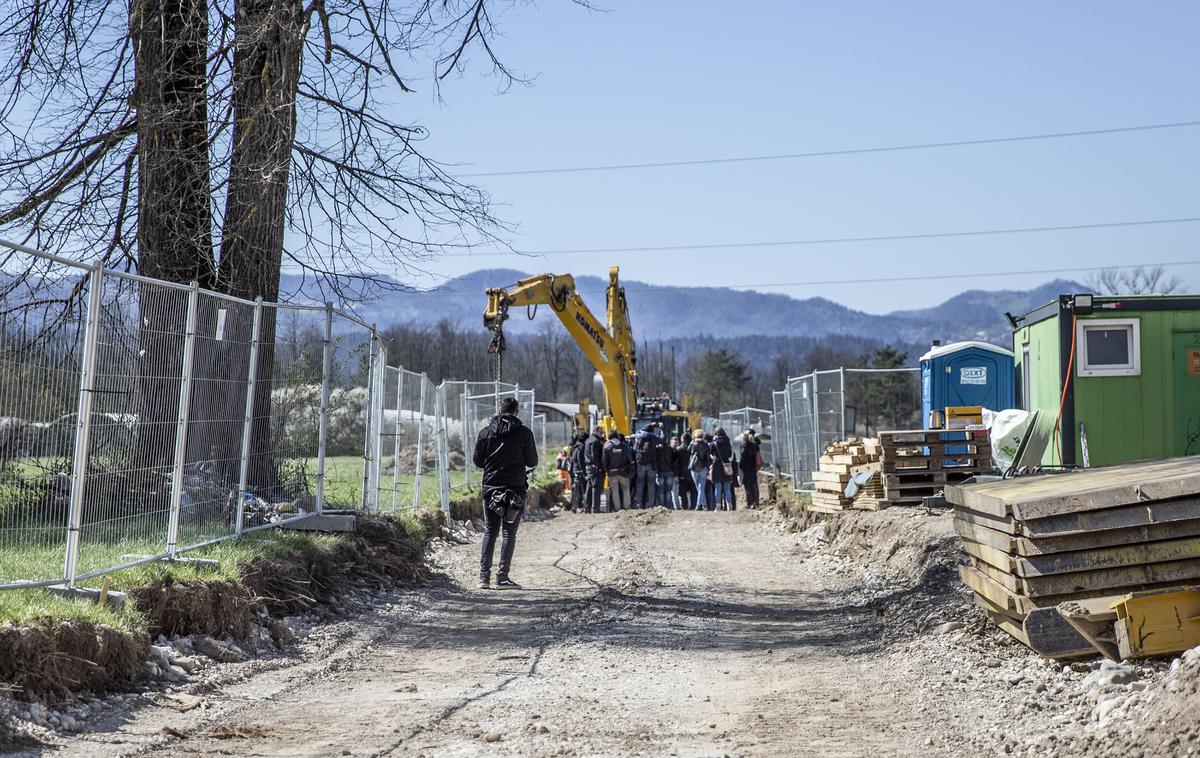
column 1056, row 559
column 835, row 467
column 920, row 463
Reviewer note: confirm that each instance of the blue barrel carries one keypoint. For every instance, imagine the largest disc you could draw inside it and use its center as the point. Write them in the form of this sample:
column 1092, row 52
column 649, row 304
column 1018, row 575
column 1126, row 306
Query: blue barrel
column 967, row 373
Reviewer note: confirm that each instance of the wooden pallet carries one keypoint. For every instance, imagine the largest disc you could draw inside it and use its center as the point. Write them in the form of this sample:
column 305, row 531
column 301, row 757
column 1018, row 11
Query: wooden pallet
column 918, row 478
column 931, row 437
column 917, row 463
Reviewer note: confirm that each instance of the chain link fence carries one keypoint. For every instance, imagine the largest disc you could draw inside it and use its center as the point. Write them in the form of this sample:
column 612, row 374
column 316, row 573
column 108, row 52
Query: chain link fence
column 140, row 419
column 818, row 409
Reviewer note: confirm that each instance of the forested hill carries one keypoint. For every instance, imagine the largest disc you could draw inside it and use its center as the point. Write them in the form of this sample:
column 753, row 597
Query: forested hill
column 667, row 312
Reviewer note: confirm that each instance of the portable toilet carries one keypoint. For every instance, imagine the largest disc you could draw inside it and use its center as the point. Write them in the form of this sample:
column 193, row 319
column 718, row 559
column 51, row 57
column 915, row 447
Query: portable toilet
column 967, row 373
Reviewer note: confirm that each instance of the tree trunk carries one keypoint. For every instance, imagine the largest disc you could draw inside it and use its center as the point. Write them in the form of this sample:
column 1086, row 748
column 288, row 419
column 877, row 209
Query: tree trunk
column 170, row 40
column 266, row 66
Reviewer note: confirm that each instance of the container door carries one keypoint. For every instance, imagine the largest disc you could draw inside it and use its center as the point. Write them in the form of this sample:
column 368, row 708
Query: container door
column 1187, row 393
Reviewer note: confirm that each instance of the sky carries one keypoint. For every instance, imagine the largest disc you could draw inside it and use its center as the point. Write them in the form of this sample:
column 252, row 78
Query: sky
column 670, row 80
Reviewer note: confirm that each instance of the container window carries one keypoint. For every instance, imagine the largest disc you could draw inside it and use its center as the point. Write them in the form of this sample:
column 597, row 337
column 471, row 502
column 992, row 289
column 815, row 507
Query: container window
column 1108, row 347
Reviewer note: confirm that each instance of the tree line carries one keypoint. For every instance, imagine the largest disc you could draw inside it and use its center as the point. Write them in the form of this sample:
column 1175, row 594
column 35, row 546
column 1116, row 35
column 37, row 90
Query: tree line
column 720, row 373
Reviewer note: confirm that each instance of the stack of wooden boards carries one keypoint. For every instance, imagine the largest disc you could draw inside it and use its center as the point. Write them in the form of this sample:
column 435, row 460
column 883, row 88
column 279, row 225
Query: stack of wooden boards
column 1065, row 562
column 909, row 465
column 918, row 464
column 837, row 464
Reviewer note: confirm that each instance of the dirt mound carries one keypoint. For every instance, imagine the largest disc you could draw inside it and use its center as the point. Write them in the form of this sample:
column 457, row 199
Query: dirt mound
column 223, row 609
column 35, row 661
column 656, row 515
column 901, row 543
column 382, row 551
column 1160, row 720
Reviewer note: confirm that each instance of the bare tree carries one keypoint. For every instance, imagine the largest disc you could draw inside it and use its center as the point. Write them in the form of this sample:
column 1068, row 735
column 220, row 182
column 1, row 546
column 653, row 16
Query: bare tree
column 1139, row 280
column 168, row 136
column 263, row 126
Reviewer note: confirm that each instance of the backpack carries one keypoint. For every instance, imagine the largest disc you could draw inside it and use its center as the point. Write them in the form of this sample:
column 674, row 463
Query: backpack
column 645, row 444
column 617, row 457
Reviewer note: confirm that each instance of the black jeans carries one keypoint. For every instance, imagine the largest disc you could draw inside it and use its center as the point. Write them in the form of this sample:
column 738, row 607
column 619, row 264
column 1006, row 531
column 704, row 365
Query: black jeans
column 687, row 491
column 494, row 524
column 595, row 490
column 750, row 483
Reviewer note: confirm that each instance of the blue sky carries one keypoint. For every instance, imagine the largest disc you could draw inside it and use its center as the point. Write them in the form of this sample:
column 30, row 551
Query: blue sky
column 662, row 80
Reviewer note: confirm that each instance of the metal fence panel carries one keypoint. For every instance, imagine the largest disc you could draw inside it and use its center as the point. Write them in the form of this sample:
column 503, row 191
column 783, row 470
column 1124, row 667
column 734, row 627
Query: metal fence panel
column 42, row 351
column 141, row 418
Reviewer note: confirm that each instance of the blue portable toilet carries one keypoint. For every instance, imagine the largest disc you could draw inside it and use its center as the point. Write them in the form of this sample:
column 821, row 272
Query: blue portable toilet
column 967, row 373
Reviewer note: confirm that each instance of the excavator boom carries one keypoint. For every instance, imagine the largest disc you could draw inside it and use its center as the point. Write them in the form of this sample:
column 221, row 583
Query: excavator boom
column 609, row 348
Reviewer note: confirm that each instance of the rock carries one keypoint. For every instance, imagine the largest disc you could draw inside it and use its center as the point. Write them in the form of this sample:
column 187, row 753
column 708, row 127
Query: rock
column 1015, row 679
column 219, row 650
column 949, row 626
column 543, row 729
column 491, row 737
column 1111, row 673
column 38, row 713
column 160, row 656
column 174, row 674
column 281, row 632
column 991, row 663
column 187, row 664
column 1106, row 707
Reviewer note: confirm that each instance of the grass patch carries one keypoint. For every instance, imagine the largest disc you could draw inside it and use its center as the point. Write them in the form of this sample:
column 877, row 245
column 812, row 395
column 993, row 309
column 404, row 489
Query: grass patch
column 30, row 606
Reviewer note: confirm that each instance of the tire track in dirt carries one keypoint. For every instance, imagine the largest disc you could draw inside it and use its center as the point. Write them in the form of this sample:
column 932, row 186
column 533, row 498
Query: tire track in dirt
column 641, row 634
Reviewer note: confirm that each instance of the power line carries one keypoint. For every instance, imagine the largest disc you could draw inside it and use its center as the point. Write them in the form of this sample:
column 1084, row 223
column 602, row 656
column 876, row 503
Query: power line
column 976, row 275
column 830, row 240
column 831, row 153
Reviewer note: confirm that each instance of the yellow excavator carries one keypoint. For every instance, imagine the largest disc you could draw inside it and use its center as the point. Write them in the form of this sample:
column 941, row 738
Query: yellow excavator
column 609, row 347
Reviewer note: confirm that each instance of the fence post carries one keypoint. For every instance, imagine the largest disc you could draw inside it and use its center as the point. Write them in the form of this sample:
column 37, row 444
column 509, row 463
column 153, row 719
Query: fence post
column 396, row 437
column 181, row 422
column 83, row 422
column 443, row 448
column 418, row 468
column 248, row 419
column 467, row 441
column 842, row 376
column 816, row 415
column 323, row 421
column 375, row 371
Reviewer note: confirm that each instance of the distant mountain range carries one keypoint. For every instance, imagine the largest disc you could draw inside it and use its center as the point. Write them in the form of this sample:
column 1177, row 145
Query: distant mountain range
column 665, row 312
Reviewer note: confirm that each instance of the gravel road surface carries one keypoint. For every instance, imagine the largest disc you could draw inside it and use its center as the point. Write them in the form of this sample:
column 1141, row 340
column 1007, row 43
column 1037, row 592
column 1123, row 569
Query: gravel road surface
column 639, row 633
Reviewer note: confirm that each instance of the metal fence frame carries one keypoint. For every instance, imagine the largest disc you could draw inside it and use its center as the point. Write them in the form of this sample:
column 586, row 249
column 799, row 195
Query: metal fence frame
column 811, row 412
column 356, row 385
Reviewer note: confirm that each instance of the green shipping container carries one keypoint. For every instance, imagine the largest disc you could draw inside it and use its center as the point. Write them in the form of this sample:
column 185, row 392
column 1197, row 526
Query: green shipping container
column 1125, row 373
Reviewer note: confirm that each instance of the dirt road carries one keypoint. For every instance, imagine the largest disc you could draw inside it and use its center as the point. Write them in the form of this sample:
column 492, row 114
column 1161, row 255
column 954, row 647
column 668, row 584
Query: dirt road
column 645, row 633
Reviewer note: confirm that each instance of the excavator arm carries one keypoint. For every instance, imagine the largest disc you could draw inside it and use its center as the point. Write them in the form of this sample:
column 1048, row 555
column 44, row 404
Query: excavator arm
column 610, row 350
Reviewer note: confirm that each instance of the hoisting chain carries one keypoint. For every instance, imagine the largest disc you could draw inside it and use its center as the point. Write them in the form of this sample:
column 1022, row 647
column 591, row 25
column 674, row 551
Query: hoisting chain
column 496, row 348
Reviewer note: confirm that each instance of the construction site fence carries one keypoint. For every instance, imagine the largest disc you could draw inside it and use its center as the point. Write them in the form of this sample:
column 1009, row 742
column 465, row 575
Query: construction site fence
column 141, row 419
column 815, row 410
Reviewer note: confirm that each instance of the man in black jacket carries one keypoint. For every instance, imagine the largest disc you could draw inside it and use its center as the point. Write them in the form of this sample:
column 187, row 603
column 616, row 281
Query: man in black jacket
column 664, row 469
column 578, row 470
column 686, row 487
column 748, row 462
column 503, row 451
column 593, row 454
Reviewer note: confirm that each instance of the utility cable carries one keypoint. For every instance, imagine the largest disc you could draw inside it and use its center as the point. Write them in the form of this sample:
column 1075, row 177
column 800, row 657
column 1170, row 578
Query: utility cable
column 827, row 240
column 832, row 153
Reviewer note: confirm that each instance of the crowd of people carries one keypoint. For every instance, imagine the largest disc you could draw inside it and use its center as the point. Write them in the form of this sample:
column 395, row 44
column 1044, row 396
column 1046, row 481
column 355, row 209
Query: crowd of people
column 698, row 471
